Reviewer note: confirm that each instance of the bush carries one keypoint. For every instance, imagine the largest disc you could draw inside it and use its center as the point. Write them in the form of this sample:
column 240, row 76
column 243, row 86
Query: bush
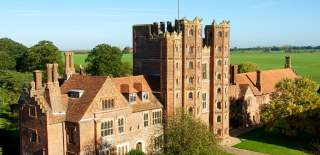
column 135, row 152
column 247, row 67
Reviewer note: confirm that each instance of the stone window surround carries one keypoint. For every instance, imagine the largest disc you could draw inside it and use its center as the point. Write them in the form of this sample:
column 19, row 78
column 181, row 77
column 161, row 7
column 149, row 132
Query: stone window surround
column 108, row 103
column 143, row 97
column 33, row 132
column 123, row 125
column 113, row 126
column 32, row 107
column 156, row 117
column 145, row 119
column 124, row 146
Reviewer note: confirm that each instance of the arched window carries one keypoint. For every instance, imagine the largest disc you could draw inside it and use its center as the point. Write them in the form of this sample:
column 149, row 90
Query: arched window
column 219, row 62
column 220, row 49
column 177, row 81
column 139, row 146
column 190, row 111
column 190, row 49
column 177, row 95
column 191, row 32
column 191, row 80
column 219, row 76
column 177, row 65
column 190, row 95
column 220, row 34
column 219, row 90
column 219, row 119
column 219, row 105
column 190, row 65
column 219, row 132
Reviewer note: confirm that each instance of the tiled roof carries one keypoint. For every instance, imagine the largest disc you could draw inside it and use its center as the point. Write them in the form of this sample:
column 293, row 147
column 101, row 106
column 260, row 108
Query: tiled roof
column 269, row 79
column 91, row 86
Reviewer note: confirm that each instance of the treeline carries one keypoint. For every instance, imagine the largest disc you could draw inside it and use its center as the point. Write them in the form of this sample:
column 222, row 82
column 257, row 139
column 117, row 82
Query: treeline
column 286, row 49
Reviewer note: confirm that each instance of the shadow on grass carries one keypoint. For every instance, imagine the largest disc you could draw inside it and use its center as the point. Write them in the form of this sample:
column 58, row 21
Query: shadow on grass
column 302, row 143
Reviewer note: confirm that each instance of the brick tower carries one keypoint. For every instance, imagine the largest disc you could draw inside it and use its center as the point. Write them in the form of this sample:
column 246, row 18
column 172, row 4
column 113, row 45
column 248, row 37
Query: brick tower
column 218, row 37
column 186, row 71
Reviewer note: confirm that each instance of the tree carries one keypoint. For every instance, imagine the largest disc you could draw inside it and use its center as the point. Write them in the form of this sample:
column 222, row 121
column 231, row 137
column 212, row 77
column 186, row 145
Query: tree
column 39, row 55
column 13, row 51
column 185, row 135
column 247, row 67
column 105, row 60
column 7, row 62
column 294, row 108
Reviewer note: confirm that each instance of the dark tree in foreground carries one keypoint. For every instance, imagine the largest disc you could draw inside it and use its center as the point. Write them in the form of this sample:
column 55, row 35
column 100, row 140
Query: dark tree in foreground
column 294, row 108
column 105, row 60
column 184, row 135
column 247, row 67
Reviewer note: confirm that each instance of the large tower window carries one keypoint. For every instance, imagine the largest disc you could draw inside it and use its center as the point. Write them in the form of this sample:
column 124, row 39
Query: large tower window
column 219, row 105
column 220, row 49
column 191, row 80
column 220, row 34
column 191, row 49
column 190, row 95
column 190, row 65
column 204, row 71
column 191, row 32
column 219, row 62
column 219, row 90
column 219, row 76
column 219, row 119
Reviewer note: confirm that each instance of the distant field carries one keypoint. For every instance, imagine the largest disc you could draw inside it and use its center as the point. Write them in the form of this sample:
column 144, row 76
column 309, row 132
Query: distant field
column 306, row 64
column 80, row 58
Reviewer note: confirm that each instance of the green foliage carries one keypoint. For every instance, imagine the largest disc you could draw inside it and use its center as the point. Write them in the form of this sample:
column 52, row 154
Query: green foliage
column 11, row 84
column 7, row 61
column 247, row 67
column 39, row 55
column 294, row 108
column 106, row 60
column 10, row 53
column 135, row 152
column 185, row 135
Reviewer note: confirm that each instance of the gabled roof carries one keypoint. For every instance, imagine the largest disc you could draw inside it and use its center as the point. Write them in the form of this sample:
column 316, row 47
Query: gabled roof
column 90, row 85
column 269, row 79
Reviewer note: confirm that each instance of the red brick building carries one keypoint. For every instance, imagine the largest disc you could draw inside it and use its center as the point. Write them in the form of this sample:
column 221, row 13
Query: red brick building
column 88, row 114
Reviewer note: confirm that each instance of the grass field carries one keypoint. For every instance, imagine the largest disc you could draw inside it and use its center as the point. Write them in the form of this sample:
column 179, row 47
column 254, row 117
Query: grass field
column 260, row 141
column 306, row 64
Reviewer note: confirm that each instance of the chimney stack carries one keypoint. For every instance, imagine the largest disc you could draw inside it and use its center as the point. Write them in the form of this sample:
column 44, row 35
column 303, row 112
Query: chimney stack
column 234, row 73
column 49, row 73
column 259, row 77
column 287, row 62
column 37, row 76
column 55, row 73
column 69, row 64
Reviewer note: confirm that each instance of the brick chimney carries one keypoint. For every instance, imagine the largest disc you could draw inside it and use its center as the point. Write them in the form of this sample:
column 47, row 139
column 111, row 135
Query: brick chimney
column 49, row 73
column 37, row 76
column 287, row 62
column 55, row 73
column 259, row 77
column 69, row 64
column 234, row 73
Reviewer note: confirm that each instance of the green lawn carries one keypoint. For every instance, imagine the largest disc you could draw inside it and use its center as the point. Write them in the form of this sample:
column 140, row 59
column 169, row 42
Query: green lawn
column 260, row 141
column 80, row 58
column 306, row 64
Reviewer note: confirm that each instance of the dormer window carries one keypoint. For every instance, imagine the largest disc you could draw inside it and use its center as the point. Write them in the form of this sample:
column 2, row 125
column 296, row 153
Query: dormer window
column 132, row 97
column 145, row 96
column 75, row 93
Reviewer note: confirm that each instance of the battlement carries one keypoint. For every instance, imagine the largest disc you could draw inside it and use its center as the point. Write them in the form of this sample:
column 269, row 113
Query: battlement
column 223, row 24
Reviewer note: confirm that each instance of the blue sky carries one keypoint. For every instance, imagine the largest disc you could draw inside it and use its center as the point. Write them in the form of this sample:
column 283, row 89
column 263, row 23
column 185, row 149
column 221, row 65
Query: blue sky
column 82, row 24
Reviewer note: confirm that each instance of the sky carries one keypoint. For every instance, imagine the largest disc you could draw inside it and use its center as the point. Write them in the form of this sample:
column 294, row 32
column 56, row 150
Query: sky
column 83, row 24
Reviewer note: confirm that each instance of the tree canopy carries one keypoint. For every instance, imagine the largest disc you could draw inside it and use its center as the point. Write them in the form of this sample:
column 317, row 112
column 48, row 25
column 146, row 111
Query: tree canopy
column 247, row 67
column 106, row 60
column 185, row 135
column 10, row 52
column 294, row 108
column 39, row 55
